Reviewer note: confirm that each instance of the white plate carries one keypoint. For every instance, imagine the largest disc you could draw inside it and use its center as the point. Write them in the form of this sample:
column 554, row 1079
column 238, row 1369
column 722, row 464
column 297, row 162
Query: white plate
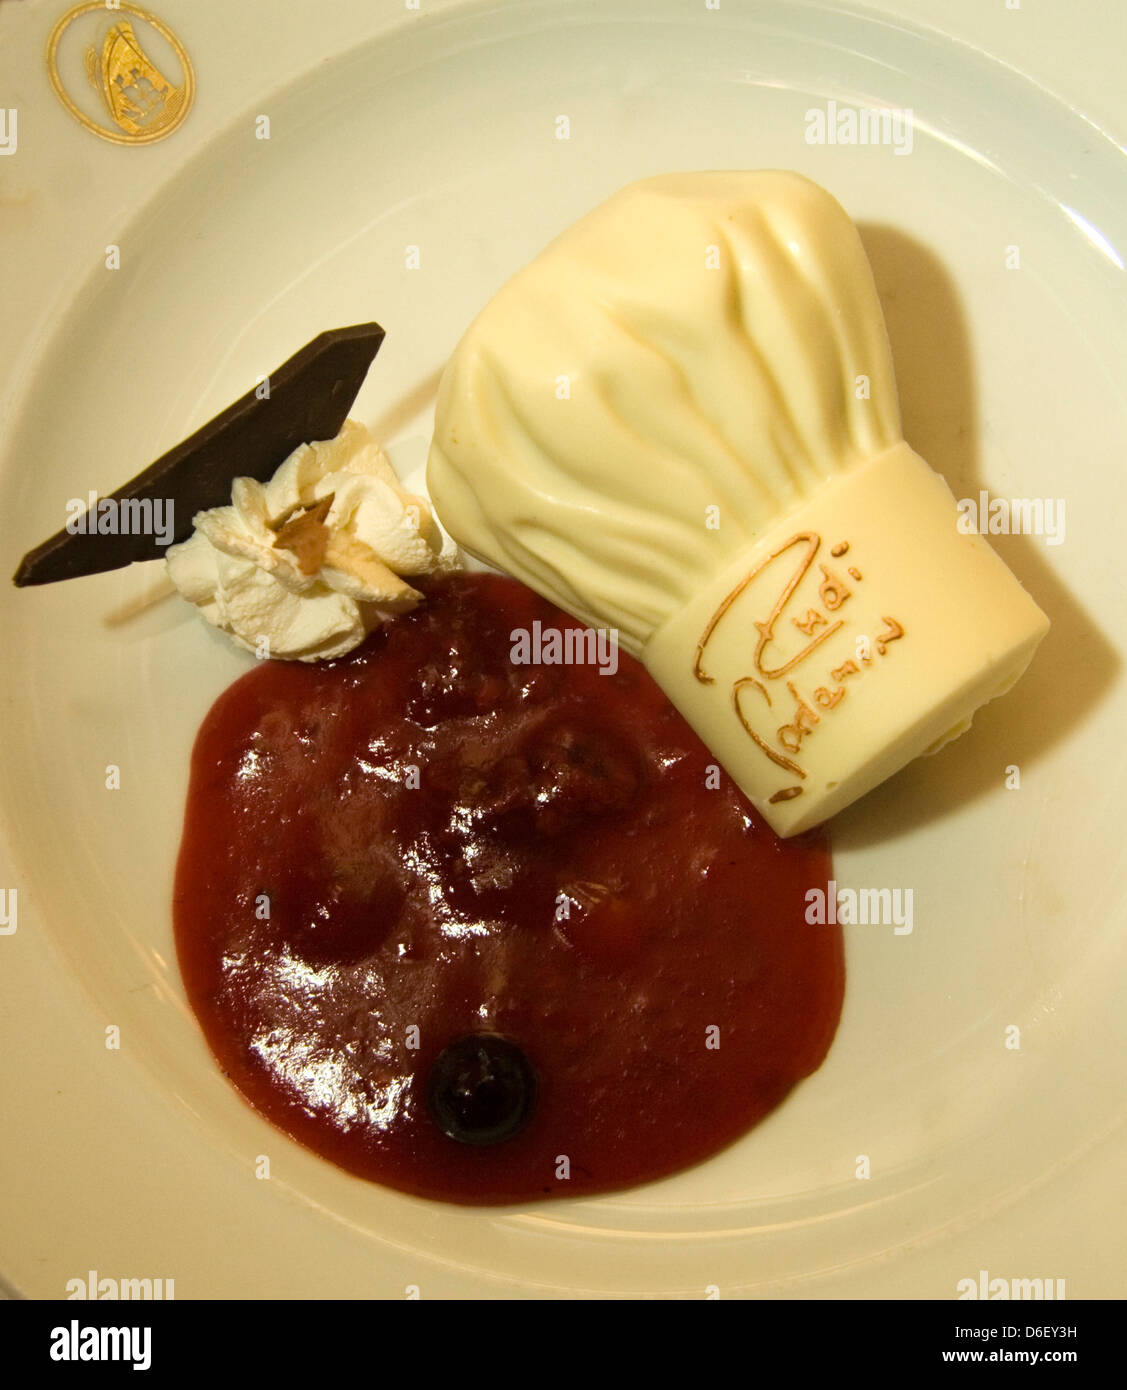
column 442, row 135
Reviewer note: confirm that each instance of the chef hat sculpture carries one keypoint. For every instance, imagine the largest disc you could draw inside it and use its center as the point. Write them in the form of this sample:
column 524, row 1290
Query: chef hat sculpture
column 680, row 422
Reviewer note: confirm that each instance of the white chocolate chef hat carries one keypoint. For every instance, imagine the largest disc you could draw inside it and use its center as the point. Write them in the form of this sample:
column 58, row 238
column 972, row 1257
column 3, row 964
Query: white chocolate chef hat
column 680, row 422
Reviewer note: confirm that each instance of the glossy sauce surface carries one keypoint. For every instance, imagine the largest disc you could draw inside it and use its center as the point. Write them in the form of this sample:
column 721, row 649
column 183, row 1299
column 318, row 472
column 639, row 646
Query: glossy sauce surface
column 420, row 841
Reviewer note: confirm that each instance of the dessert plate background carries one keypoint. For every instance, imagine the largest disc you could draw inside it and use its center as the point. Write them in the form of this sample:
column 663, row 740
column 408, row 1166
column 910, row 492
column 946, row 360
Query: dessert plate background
column 391, row 129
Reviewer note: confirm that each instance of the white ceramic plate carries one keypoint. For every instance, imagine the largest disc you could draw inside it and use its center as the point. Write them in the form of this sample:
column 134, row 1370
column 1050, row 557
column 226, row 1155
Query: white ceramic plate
column 443, row 135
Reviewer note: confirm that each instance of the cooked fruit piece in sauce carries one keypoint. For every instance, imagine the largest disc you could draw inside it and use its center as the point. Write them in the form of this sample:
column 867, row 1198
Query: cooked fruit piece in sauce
column 490, row 932
column 482, row 1089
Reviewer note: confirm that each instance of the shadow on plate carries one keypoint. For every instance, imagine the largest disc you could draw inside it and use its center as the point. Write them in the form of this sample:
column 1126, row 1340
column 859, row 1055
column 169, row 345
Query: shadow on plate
column 1075, row 666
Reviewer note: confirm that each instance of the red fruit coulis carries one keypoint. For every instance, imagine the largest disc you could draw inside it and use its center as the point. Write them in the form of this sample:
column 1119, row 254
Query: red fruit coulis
column 423, row 841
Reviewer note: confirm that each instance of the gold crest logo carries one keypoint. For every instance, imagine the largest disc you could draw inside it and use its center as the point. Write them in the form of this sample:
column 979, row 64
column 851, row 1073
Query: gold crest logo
column 137, row 101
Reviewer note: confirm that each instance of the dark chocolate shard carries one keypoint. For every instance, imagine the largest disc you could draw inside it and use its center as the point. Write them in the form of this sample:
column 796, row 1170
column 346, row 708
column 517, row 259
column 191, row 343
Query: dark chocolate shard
column 309, row 398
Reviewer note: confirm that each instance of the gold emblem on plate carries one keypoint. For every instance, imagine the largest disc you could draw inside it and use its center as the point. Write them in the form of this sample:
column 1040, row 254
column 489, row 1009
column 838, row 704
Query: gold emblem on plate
column 141, row 102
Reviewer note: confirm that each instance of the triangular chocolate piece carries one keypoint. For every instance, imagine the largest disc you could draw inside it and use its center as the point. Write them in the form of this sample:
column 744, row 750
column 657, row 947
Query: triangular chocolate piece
column 309, row 398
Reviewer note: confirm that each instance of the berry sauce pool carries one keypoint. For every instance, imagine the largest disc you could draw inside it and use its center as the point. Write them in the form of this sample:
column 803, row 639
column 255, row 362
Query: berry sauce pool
column 388, row 855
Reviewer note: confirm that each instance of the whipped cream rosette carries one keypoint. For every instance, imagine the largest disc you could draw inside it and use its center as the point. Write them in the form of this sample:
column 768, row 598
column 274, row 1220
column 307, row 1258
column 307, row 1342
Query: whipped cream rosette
column 305, row 565
column 680, row 422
